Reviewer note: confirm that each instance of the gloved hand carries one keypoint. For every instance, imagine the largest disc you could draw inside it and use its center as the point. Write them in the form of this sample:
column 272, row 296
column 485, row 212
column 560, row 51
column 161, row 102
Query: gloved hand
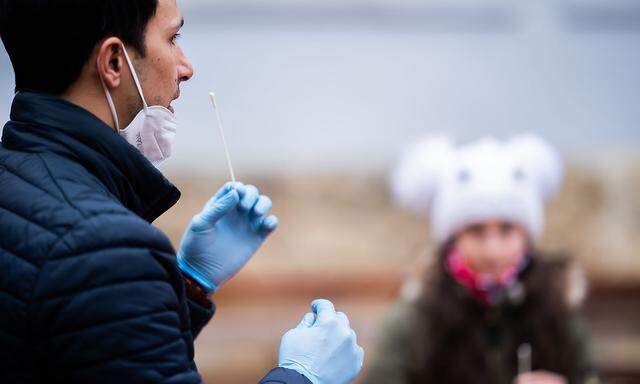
column 223, row 237
column 323, row 347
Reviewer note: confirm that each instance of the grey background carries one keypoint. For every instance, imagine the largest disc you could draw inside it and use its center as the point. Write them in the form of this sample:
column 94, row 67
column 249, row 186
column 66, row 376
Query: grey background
column 309, row 85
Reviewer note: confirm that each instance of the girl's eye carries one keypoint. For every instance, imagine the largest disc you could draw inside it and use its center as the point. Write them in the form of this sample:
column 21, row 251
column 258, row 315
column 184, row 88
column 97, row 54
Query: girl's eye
column 506, row 228
column 174, row 38
column 476, row 230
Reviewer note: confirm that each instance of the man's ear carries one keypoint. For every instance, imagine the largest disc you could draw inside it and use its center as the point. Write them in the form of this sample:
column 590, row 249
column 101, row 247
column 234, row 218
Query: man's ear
column 111, row 62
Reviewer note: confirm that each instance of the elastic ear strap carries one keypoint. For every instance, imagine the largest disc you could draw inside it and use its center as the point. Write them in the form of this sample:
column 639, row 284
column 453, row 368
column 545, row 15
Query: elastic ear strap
column 112, row 106
column 135, row 78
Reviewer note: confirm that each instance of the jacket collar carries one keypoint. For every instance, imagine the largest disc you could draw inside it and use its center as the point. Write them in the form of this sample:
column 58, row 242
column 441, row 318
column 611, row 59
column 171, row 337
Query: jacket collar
column 42, row 123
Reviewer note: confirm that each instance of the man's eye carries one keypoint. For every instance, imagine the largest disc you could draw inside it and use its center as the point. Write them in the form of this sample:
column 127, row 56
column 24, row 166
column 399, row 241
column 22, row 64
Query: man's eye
column 174, row 38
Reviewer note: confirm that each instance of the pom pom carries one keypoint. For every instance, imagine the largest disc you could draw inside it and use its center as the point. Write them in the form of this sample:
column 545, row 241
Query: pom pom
column 416, row 179
column 541, row 161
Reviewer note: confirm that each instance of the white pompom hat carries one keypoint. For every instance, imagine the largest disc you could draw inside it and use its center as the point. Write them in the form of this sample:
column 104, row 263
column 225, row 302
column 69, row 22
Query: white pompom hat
column 484, row 180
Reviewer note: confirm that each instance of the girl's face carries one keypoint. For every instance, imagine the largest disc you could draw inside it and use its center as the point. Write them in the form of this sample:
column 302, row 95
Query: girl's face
column 492, row 247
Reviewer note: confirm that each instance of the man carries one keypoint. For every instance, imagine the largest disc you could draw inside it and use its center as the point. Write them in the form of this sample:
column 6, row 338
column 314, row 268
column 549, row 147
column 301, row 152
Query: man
column 90, row 291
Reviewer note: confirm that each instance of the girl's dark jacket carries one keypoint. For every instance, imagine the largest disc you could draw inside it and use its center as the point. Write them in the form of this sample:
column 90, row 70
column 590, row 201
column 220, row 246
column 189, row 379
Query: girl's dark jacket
column 440, row 334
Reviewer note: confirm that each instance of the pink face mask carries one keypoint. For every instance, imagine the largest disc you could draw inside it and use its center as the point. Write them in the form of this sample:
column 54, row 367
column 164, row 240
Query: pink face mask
column 486, row 289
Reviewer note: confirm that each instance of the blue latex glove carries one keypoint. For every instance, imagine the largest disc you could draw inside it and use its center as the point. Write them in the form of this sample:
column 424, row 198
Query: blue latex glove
column 223, row 237
column 323, row 347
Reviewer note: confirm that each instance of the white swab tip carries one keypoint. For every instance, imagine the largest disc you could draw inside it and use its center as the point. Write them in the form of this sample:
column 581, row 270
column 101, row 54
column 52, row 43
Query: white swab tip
column 213, row 99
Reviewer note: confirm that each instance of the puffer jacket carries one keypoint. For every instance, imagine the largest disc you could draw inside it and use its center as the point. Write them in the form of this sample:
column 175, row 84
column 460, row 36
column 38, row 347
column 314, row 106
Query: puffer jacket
column 89, row 290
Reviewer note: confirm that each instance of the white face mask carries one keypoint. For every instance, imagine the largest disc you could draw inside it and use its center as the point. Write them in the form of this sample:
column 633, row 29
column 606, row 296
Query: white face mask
column 153, row 129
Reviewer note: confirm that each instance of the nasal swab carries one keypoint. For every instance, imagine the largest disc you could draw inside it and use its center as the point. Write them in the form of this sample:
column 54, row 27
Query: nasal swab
column 524, row 358
column 224, row 140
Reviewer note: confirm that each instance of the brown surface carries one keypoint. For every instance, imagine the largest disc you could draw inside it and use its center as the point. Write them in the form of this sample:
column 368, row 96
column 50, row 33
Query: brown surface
column 243, row 338
column 341, row 238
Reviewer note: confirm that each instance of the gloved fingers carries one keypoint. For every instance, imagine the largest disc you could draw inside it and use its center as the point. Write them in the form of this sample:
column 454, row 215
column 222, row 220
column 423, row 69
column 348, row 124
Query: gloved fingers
column 225, row 189
column 360, row 357
column 265, row 225
column 242, row 190
column 307, row 320
column 213, row 212
column 359, row 352
column 249, row 198
column 263, row 206
column 222, row 192
column 354, row 337
column 342, row 317
column 324, row 310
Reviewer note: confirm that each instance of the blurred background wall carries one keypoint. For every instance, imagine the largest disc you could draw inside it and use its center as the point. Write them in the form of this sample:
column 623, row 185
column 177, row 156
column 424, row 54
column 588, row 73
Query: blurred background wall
column 320, row 97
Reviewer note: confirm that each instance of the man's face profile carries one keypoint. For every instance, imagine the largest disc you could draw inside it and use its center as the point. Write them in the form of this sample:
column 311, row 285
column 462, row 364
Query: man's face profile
column 164, row 66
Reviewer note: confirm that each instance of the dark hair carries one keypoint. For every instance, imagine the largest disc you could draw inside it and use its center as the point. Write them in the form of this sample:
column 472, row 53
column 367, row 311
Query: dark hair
column 451, row 328
column 50, row 41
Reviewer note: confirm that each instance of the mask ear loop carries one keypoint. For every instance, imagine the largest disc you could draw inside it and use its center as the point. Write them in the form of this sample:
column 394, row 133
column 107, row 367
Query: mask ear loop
column 135, row 79
column 112, row 106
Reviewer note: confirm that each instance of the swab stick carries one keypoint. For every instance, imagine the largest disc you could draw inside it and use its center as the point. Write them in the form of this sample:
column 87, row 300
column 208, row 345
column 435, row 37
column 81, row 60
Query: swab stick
column 224, row 140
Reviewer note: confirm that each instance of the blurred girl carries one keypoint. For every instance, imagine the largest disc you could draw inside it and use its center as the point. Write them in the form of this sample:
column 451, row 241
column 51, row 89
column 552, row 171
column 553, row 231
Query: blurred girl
column 492, row 309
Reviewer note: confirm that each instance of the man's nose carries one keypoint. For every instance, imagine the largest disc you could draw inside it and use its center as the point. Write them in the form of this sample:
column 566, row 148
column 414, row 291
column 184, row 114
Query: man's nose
column 185, row 69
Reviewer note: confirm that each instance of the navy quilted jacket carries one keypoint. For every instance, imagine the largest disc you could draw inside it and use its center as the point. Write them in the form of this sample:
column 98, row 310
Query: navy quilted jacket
column 89, row 289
